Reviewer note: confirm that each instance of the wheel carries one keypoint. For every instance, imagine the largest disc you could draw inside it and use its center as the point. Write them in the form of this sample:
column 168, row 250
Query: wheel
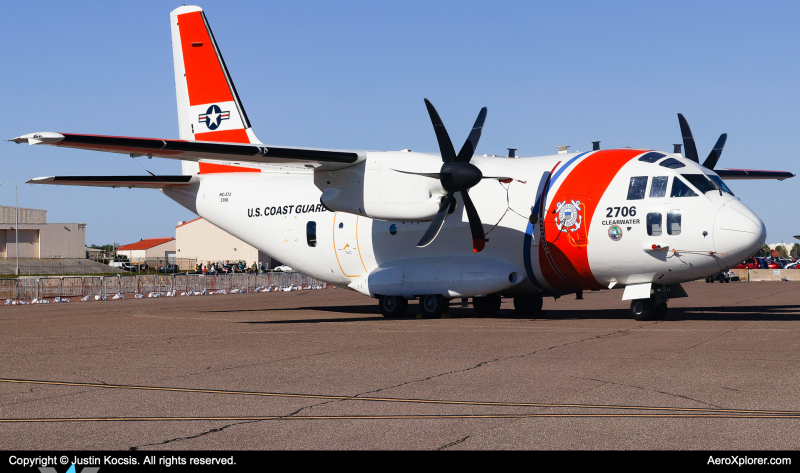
column 660, row 311
column 708, row 280
column 728, row 280
column 486, row 306
column 393, row 306
column 433, row 306
column 528, row 305
column 642, row 309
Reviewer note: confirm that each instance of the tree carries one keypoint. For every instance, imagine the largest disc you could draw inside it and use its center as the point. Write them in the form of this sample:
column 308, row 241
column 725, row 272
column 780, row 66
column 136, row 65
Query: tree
column 795, row 252
column 764, row 251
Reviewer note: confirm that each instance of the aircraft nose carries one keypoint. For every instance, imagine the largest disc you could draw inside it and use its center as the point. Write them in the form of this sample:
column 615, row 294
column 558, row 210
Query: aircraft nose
column 738, row 233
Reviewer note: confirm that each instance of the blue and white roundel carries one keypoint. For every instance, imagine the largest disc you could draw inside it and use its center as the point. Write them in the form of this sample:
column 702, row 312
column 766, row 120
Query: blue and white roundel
column 213, row 117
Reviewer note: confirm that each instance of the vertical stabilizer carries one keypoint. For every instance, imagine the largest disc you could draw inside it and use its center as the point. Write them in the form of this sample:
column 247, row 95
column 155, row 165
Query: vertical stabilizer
column 209, row 108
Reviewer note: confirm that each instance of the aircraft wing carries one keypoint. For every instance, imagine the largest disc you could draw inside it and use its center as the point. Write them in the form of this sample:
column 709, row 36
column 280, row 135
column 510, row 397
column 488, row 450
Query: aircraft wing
column 732, row 174
column 145, row 182
column 199, row 150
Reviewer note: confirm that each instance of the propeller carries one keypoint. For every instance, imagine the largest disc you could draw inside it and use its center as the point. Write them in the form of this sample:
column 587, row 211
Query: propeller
column 456, row 175
column 690, row 150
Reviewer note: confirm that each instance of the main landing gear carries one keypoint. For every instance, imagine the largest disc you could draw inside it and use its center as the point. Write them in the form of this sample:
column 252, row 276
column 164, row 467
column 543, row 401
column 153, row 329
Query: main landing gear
column 393, row 306
column 528, row 305
column 486, row 306
column 432, row 306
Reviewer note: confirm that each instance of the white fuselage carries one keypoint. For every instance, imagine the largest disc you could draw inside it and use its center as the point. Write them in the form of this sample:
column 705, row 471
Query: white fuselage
column 279, row 212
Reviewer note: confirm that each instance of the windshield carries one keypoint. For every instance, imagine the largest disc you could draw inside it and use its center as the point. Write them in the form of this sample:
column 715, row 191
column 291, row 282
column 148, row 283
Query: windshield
column 718, row 181
column 700, row 181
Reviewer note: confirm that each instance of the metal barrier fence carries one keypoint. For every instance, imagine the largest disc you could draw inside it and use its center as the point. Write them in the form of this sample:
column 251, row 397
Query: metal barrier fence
column 105, row 266
column 79, row 286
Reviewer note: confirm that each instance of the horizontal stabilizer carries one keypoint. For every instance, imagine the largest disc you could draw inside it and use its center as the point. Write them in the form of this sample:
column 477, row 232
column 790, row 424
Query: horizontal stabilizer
column 198, row 150
column 147, row 182
column 731, row 174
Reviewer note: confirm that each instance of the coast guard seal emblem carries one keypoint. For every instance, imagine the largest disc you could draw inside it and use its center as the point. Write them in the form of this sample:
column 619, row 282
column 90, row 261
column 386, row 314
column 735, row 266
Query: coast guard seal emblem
column 569, row 216
column 615, row 232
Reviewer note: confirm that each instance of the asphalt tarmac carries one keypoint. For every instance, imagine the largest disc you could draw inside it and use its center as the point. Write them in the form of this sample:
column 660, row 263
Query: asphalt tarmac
column 323, row 370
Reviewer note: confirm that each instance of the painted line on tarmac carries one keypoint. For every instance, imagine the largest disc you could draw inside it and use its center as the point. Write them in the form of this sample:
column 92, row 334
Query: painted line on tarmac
column 748, row 412
column 394, row 417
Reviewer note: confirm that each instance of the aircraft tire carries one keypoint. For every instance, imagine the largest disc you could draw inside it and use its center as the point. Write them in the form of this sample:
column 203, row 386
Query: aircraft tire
column 432, row 306
column 660, row 311
column 393, row 307
column 642, row 309
column 487, row 306
column 528, row 305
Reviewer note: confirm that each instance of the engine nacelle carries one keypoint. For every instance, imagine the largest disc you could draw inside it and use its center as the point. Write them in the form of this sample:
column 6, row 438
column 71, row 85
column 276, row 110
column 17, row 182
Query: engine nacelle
column 375, row 188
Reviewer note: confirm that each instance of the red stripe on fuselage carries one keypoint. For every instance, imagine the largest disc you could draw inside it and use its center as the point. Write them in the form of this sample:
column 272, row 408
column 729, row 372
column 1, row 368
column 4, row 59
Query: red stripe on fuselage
column 586, row 182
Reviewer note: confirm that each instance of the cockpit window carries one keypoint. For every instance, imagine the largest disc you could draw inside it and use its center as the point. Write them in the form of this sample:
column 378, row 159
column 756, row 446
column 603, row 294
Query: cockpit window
column 718, row 181
column 671, row 163
column 700, row 181
column 651, row 157
column 637, row 187
column 659, row 186
column 680, row 189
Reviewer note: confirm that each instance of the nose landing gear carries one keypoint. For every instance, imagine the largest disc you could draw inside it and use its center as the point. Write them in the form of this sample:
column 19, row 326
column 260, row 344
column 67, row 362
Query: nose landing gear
column 654, row 308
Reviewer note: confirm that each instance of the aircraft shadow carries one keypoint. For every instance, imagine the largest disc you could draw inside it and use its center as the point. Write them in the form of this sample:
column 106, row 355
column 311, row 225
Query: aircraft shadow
column 737, row 313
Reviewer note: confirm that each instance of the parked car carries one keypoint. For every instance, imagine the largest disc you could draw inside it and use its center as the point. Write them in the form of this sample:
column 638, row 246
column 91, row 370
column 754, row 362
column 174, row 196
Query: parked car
column 168, row 268
column 750, row 263
column 283, row 268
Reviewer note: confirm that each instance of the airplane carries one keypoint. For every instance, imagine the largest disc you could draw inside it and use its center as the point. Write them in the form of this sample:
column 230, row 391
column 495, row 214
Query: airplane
column 403, row 225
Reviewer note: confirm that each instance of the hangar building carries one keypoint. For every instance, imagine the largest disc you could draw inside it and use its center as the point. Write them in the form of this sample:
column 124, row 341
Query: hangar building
column 148, row 248
column 202, row 241
column 39, row 239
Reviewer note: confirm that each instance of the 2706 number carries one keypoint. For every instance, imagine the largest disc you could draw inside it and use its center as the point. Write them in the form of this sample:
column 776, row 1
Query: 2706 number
column 624, row 211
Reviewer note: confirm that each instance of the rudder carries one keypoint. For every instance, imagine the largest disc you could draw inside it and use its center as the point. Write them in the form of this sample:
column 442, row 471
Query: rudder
column 209, row 108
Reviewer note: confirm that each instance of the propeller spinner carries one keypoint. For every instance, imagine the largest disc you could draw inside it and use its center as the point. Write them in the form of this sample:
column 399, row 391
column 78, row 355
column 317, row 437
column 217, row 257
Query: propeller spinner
column 456, row 175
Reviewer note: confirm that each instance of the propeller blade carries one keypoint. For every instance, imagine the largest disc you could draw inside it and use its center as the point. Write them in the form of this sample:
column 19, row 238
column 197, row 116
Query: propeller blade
column 475, row 225
column 472, row 140
column 438, row 221
column 445, row 145
column 715, row 153
column 689, row 148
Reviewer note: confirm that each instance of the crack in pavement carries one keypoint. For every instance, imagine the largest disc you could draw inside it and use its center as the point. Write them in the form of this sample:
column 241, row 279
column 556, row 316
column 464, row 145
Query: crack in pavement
column 649, row 389
column 452, row 444
column 201, row 434
column 278, row 360
column 218, row 429
column 497, row 360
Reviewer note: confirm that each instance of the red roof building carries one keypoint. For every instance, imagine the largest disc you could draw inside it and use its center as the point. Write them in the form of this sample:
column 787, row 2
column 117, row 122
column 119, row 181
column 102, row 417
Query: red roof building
column 148, row 248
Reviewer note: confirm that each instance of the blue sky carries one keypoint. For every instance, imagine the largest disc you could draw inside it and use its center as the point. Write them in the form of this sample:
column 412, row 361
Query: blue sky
column 353, row 75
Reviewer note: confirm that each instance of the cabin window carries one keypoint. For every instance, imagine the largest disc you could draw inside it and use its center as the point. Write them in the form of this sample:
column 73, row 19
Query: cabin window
column 311, row 233
column 637, row 187
column 654, row 224
column 680, row 189
column 674, row 222
column 393, row 229
column 659, row 186
column 700, row 181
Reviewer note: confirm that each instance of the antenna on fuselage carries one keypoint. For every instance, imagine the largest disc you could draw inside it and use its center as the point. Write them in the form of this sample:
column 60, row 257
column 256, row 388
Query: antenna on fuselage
column 595, row 146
